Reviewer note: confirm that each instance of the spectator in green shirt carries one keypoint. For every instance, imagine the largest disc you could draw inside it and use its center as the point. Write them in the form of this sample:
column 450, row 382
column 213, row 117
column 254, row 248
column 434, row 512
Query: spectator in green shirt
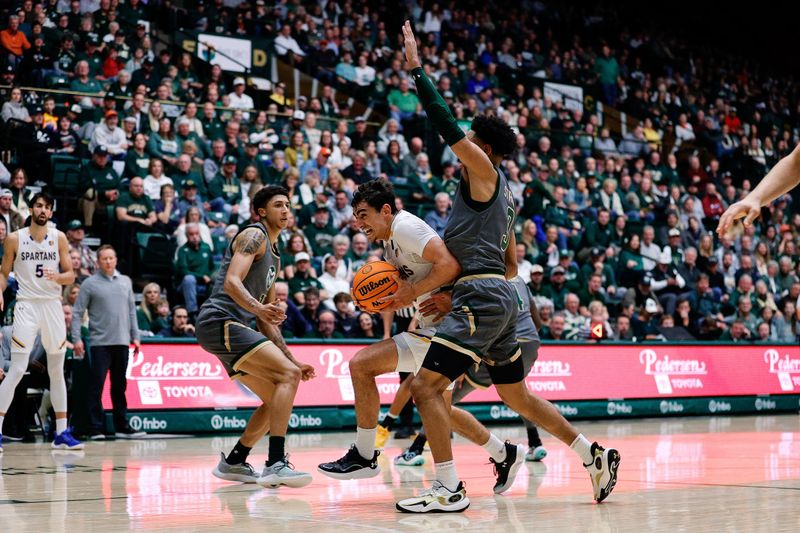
column 101, row 183
column 320, row 233
column 135, row 214
column 225, row 190
column 326, row 327
column 194, row 267
column 303, row 279
column 607, row 70
column 82, row 82
column 403, row 104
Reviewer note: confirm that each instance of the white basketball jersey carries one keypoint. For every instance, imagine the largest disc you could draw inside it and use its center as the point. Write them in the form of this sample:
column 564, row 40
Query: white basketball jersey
column 31, row 261
column 404, row 249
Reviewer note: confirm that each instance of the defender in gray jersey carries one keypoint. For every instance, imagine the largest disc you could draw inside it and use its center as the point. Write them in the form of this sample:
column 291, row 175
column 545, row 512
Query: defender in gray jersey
column 477, row 377
column 481, row 325
column 244, row 292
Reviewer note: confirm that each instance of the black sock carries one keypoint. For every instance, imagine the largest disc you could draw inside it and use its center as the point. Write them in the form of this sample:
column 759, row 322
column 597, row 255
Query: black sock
column 238, row 455
column 533, row 438
column 388, row 421
column 276, row 450
column 419, row 443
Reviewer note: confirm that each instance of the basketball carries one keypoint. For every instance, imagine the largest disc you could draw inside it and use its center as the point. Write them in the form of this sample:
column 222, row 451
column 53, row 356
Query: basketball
column 372, row 282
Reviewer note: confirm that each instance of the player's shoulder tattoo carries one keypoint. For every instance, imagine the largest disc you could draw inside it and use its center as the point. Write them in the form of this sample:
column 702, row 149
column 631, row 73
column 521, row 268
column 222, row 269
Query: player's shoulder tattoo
column 249, row 241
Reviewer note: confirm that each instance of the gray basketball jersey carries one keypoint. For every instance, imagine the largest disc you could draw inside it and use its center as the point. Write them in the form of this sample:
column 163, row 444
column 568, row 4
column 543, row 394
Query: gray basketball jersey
column 526, row 329
column 258, row 281
column 478, row 233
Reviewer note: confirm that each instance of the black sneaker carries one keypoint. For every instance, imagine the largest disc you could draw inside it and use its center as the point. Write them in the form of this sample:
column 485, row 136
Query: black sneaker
column 130, row 433
column 507, row 470
column 352, row 466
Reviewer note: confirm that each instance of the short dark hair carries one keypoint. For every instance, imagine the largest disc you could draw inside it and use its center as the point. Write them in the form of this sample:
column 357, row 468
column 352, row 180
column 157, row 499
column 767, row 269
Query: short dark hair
column 311, row 291
column 496, row 133
column 48, row 200
column 263, row 196
column 375, row 193
column 105, row 247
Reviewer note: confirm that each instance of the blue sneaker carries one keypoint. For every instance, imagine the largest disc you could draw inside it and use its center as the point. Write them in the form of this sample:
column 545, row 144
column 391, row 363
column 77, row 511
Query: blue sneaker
column 65, row 441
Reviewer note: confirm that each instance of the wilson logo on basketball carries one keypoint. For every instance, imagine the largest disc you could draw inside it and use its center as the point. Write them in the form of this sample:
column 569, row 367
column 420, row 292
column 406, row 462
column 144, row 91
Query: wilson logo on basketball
column 370, row 286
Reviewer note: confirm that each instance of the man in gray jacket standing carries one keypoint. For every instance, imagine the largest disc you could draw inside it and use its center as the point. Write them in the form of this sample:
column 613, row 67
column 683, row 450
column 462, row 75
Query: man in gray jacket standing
column 108, row 296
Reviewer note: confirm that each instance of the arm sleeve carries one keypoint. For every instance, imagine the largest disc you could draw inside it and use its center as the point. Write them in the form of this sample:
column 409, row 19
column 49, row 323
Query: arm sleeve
column 436, row 108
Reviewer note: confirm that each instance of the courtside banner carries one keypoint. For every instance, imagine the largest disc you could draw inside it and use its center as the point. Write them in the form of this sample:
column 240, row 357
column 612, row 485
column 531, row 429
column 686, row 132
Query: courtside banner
column 183, row 376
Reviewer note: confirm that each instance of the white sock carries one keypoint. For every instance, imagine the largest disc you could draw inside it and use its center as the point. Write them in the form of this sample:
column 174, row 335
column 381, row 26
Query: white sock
column 583, row 448
column 365, row 442
column 496, row 448
column 61, row 425
column 446, row 475
column 1, row 423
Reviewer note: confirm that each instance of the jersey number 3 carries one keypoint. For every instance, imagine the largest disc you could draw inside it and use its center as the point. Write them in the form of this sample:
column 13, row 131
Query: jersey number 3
column 504, row 242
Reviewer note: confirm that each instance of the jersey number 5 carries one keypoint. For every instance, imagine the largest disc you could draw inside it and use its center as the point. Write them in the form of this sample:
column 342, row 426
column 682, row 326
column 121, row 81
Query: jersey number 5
column 510, row 215
column 40, row 271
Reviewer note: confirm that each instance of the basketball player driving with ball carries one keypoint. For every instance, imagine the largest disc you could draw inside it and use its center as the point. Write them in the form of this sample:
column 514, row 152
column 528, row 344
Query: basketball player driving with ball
column 425, row 266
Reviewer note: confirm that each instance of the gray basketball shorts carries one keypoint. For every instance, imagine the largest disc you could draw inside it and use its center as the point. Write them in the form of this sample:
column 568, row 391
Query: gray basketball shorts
column 482, row 324
column 228, row 339
column 478, row 375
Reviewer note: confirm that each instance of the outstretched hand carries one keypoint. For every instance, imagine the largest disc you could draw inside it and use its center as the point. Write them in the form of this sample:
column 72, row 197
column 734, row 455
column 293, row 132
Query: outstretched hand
column 410, row 42
column 749, row 209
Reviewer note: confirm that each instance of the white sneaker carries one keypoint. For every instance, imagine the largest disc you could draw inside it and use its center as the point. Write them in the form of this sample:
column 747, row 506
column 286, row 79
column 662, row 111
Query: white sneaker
column 536, row 454
column 437, row 499
column 603, row 471
column 283, row 473
column 243, row 473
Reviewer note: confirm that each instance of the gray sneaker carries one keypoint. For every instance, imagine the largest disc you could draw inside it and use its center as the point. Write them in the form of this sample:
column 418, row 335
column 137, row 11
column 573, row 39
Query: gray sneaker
column 243, row 473
column 283, row 473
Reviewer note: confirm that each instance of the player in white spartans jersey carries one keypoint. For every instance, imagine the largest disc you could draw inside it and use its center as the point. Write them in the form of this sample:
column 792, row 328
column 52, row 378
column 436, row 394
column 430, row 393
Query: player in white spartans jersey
column 39, row 257
column 425, row 265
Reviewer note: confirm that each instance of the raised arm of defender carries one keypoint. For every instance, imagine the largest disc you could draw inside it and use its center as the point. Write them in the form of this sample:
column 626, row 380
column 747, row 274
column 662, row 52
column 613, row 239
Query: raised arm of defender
column 478, row 169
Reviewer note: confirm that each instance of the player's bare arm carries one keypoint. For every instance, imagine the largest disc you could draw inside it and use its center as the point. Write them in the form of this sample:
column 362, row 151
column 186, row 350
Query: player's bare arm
column 67, row 275
column 9, row 254
column 783, row 177
column 445, row 269
column 273, row 333
column 249, row 246
column 478, row 169
column 537, row 320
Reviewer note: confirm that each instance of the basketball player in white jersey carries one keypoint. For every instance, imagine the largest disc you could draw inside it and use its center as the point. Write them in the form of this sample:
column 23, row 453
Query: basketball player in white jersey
column 426, row 265
column 39, row 258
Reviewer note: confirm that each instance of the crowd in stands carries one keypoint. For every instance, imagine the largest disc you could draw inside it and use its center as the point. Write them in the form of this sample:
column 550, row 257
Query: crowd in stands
column 614, row 226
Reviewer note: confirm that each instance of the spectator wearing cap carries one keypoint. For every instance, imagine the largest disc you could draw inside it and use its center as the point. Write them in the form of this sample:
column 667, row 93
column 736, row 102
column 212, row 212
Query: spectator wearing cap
column 13, row 42
column 75, row 236
column 146, row 75
column 556, row 290
column 240, row 100
column 101, row 183
column 303, row 280
column 225, row 190
column 667, row 284
column 252, row 158
column 12, row 219
column 319, row 163
column 360, row 137
column 84, row 83
column 321, row 232
column 194, row 267
column 108, row 135
column 292, row 127
column 536, row 284
column 645, row 323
